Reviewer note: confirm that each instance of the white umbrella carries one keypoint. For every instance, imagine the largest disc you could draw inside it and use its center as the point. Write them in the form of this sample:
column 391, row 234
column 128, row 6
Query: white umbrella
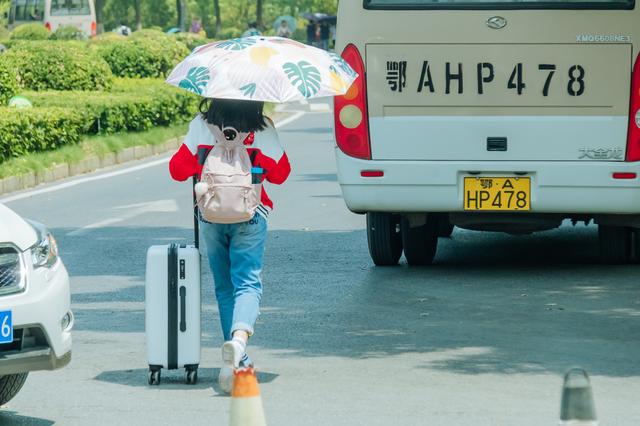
column 270, row 69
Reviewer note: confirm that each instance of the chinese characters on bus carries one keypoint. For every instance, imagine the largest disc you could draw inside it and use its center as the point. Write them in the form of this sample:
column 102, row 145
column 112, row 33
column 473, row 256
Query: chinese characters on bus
column 485, row 75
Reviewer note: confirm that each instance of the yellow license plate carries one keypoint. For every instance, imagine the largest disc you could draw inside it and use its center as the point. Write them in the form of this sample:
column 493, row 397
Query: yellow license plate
column 497, row 193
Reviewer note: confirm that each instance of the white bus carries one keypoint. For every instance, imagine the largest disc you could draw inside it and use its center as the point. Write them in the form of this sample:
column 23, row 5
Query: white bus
column 55, row 13
column 494, row 115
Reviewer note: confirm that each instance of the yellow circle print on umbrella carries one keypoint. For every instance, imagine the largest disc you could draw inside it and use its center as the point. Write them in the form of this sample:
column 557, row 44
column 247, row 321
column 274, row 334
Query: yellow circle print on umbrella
column 258, row 68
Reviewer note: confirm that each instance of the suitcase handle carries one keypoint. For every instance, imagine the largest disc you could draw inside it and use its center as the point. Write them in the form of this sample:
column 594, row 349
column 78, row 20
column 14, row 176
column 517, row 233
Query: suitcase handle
column 183, row 308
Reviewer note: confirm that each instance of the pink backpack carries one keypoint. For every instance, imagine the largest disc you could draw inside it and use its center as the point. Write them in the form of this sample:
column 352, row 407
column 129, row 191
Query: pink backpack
column 225, row 193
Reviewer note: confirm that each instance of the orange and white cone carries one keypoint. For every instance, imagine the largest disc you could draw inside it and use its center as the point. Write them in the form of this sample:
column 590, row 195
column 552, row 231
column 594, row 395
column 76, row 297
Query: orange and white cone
column 246, row 403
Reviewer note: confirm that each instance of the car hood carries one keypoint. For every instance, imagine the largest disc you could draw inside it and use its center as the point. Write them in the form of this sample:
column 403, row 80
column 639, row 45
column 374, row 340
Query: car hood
column 15, row 230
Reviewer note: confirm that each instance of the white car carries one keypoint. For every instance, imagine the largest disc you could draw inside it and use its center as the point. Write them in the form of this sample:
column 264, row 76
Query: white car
column 35, row 314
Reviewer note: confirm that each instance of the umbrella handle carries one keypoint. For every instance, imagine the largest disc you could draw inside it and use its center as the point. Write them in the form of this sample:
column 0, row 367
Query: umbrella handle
column 196, row 224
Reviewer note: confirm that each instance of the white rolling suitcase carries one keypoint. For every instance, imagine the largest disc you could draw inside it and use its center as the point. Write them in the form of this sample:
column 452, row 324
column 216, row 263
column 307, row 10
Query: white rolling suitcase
column 172, row 309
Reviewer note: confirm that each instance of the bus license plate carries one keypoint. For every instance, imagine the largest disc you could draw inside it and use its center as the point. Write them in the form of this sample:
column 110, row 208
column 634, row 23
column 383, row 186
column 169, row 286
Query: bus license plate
column 497, row 193
column 6, row 327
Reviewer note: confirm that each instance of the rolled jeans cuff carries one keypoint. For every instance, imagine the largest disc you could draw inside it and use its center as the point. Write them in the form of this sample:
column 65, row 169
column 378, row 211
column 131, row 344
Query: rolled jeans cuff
column 242, row 326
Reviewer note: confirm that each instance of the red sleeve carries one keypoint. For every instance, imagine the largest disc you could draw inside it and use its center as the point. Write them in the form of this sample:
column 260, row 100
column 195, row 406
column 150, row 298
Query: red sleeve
column 275, row 173
column 183, row 164
column 278, row 174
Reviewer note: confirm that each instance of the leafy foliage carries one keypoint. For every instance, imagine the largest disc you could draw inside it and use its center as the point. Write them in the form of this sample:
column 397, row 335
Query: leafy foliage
column 37, row 129
column 42, row 65
column 68, row 32
column 8, row 82
column 141, row 57
column 133, row 105
column 29, row 32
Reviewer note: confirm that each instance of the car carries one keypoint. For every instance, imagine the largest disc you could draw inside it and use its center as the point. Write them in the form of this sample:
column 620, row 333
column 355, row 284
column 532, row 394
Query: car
column 35, row 303
column 512, row 116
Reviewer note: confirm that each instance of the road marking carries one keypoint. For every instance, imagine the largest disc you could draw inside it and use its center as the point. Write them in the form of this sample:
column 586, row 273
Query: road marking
column 320, row 107
column 81, row 180
column 132, row 210
column 290, row 120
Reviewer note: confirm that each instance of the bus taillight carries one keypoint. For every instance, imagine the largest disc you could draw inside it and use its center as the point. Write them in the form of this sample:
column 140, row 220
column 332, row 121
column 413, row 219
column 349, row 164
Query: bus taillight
column 93, row 29
column 350, row 111
column 633, row 141
column 47, row 25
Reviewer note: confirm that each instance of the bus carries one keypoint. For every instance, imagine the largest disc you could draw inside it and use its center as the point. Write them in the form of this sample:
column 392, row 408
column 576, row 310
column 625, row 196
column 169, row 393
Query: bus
column 493, row 115
column 55, row 13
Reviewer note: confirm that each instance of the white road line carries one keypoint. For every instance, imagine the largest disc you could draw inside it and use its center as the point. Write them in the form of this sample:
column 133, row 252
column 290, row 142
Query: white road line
column 96, row 225
column 290, row 120
column 81, row 180
column 320, row 107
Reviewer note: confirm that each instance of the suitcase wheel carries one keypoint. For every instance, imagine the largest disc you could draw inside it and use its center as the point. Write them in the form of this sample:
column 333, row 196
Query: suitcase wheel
column 191, row 377
column 154, row 377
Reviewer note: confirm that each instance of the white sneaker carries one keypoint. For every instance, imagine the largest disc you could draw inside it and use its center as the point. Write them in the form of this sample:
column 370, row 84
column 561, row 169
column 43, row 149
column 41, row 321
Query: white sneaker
column 232, row 353
column 225, row 379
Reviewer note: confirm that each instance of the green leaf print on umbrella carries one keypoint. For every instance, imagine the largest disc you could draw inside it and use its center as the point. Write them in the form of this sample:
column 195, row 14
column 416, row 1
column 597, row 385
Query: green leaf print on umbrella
column 249, row 90
column 196, row 80
column 236, row 44
column 344, row 65
column 304, row 76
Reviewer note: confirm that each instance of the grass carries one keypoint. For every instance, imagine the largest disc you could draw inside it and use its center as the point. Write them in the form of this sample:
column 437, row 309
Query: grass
column 92, row 145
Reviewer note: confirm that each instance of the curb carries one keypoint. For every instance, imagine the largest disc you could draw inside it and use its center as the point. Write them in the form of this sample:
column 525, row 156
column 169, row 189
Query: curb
column 89, row 164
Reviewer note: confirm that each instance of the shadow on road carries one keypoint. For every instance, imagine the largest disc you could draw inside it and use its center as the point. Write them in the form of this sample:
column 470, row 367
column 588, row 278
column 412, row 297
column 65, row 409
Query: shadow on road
column 172, row 380
column 492, row 303
column 15, row 419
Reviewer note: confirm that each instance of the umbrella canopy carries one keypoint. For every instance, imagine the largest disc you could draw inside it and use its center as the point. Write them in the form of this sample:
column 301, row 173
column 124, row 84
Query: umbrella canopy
column 290, row 20
column 320, row 17
column 270, row 69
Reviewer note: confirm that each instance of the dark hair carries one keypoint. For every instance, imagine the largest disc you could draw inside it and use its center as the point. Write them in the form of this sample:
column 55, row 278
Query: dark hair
column 244, row 116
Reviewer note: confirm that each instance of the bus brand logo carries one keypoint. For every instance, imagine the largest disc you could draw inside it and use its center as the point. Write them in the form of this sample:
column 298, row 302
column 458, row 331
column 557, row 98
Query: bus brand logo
column 496, row 22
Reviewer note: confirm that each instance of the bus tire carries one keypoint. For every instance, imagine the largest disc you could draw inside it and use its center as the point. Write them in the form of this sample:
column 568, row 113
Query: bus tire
column 615, row 244
column 384, row 238
column 420, row 242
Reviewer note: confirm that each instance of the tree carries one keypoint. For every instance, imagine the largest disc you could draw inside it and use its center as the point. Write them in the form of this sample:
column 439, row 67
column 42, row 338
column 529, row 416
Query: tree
column 216, row 10
column 138, row 14
column 259, row 10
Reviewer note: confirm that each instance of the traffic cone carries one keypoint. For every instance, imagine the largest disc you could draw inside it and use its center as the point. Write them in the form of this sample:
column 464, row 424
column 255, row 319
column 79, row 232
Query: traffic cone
column 577, row 407
column 246, row 403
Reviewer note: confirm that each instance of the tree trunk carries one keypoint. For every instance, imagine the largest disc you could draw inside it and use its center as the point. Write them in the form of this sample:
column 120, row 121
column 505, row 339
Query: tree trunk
column 138, row 15
column 100, row 25
column 259, row 14
column 216, row 7
column 180, row 8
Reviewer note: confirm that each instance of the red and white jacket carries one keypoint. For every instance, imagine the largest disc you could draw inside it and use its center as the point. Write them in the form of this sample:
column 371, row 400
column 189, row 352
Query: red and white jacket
column 269, row 155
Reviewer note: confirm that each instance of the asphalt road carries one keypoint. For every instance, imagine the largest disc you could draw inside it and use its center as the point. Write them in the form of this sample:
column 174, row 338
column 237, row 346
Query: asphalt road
column 481, row 338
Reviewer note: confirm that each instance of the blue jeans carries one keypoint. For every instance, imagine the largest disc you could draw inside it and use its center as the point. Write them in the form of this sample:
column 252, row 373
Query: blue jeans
column 235, row 256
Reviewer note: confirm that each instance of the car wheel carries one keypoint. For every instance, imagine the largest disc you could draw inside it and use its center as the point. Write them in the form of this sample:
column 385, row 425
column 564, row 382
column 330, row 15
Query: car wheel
column 615, row 244
column 420, row 242
column 445, row 228
column 10, row 385
column 385, row 240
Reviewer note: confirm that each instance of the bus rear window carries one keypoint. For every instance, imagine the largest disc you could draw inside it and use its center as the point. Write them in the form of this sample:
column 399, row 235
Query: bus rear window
column 70, row 7
column 26, row 10
column 498, row 4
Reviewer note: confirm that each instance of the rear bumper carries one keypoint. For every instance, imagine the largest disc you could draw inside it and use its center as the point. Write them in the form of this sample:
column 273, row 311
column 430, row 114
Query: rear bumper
column 436, row 186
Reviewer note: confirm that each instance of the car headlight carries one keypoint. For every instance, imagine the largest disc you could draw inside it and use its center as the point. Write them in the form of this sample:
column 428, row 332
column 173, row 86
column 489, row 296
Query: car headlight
column 45, row 251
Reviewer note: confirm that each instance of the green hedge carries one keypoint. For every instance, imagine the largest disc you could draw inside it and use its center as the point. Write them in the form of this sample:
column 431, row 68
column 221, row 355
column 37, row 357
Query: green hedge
column 8, row 82
column 68, row 32
column 59, row 65
column 30, row 32
column 142, row 56
column 39, row 129
column 134, row 105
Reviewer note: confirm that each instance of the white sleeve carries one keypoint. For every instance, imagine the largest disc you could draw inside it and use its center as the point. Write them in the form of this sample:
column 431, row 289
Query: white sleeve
column 198, row 134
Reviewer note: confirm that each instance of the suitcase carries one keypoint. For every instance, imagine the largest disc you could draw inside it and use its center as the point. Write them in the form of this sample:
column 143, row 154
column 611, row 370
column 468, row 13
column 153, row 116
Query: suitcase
column 173, row 310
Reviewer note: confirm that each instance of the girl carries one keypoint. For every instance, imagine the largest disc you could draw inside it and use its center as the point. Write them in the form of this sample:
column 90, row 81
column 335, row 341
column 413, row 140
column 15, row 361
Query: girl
column 235, row 251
